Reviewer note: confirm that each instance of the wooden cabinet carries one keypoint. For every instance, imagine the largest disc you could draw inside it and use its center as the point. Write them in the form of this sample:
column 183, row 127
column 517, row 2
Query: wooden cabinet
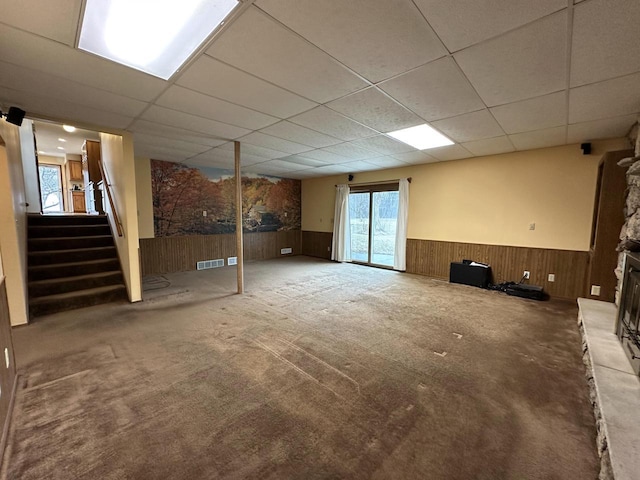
column 92, row 175
column 78, row 202
column 75, row 170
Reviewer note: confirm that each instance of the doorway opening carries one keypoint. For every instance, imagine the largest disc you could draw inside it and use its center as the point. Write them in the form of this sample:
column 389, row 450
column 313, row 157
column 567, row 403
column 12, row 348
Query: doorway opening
column 51, row 191
column 373, row 218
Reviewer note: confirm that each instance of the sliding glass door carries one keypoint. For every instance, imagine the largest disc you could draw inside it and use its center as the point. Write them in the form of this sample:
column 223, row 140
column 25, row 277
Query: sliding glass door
column 373, row 216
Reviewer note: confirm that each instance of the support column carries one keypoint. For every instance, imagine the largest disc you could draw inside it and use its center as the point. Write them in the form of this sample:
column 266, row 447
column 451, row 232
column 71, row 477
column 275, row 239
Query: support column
column 239, row 242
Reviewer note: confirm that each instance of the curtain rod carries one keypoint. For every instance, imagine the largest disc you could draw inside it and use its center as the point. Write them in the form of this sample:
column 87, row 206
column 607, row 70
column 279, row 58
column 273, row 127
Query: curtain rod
column 384, row 182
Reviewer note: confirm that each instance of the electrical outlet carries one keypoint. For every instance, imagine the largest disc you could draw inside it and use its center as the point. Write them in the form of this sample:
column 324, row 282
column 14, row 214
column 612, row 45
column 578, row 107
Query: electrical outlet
column 204, row 213
column 595, row 290
column 526, row 274
column 328, row 249
column 552, row 277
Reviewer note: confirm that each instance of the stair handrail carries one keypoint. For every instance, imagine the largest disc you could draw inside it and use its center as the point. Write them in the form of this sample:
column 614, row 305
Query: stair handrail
column 112, row 203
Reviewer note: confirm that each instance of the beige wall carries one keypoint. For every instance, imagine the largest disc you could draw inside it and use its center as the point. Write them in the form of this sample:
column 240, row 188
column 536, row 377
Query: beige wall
column 117, row 157
column 144, row 197
column 13, row 223
column 29, row 167
column 488, row 200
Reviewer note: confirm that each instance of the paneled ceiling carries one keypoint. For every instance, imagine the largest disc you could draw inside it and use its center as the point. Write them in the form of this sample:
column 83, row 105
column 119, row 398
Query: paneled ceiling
column 312, row 87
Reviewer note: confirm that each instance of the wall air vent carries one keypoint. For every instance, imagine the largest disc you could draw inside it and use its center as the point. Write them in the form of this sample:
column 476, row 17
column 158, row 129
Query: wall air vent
column 286, row 251
column 205, row 264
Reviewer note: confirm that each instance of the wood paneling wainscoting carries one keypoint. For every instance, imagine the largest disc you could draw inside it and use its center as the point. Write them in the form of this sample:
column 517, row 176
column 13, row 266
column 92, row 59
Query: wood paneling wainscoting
column 7, row 374
column 181, row 253
column 432, row 258
column 317, row 244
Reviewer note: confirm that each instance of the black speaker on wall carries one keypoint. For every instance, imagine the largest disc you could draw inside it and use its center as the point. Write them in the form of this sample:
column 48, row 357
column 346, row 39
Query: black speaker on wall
column 586, row 148
column 15, row 115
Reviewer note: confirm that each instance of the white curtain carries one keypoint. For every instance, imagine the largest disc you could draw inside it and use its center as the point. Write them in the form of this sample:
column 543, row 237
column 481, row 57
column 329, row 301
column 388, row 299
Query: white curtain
column 341, row 249
column 400, row 257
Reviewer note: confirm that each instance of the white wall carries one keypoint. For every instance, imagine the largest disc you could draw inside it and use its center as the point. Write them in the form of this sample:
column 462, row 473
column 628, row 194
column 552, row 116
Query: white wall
column 13, row 230
column 144, row 197
column 29, row 167
column 117, row 157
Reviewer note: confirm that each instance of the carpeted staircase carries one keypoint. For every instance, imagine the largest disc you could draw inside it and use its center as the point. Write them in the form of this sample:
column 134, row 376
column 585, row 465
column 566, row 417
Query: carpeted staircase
column 73, row 263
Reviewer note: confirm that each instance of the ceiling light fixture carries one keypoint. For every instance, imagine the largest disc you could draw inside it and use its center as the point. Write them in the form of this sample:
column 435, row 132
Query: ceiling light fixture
column 61, row 140
column 69, row 128
column 154, row 36
column 60, row 148
column 421, row 137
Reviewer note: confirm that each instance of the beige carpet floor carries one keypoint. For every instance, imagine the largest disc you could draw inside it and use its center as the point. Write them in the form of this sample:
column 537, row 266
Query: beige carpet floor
column 320, row 371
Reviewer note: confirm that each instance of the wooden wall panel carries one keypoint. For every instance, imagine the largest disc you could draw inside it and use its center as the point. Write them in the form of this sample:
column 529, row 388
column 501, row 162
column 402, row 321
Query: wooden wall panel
column 317, row 244
column 7, row 375
column 432, row 258
column 181, row 253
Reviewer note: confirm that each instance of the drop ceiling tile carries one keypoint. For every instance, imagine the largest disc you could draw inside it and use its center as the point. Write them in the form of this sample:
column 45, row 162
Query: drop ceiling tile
column 549, row 137
column 469, row 127
column 296, row 133
column 212, row 77
column 489, row 146
column 37, row 53
column 460, row 24
column 189, row 101
column 415, row 157
column 267, row 141
column 525, row 63
column 309, row 162
column 374, row 109
column 284, row 165
column 351, row 152
column 532, row 114
column 388, row 162
column 187, row 121
column 274, row 53
column 434, row 91
column 152, row 128
column 160, row 152
column 54, row 20
column 333, row 170
column 450, row 152
column 376, row 38
column 327, row 157
column 360, row 166
column 384, row 145
column 247, row 148
column 172, row 143
column 325, row 120
column 33, row 82
column 607, row 128
column 217, row 155
column 605, row 40
column 302, row 174
column 610, row 98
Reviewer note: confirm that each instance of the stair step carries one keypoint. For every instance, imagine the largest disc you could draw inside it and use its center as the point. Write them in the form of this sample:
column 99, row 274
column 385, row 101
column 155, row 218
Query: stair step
column 49, row 219
column 78, row 299
column 53, row 231
column 69, row 243
column 69, row 269
column 53, row 286
column 46, row 257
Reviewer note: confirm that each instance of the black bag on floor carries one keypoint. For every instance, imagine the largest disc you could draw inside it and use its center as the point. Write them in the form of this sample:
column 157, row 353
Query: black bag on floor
column 533, row 292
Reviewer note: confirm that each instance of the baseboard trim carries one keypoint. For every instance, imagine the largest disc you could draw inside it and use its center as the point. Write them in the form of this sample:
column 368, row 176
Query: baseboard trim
column 7, row 424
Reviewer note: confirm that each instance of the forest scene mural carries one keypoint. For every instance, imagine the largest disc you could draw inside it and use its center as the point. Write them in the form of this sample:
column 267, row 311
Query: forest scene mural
column 201, row 201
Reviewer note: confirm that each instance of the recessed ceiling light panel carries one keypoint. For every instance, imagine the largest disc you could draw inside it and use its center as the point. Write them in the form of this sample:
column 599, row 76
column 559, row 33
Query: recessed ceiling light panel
column 154, row 36
column 421, row 137
column 69, row 128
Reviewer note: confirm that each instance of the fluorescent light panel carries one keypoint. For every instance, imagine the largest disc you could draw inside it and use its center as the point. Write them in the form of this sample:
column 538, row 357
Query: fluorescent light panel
column 421, row 137
column 154, row 36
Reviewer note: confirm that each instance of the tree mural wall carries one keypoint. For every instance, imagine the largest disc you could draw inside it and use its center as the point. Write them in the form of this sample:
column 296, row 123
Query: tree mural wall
column 182, row 193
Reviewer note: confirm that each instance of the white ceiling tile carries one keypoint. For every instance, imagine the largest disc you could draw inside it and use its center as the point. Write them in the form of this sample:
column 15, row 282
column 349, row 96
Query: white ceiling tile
column 301, row 160
column 524, row 63
column 37, row 83
column 611, row 98
column 374, row 109
column 469, row 127
column 247, row 148
column 296, row 133
column 284, row 165
column 605, row 40
column 549, row 137
column 333, row 169
column 607, row 128
column 463, row 23
column 327, row 157
column 360, row 166
column 55, row 20
column 384, row 145
column 226, row 157
column 532, row 114
column 489, row 146
column 189, row 101
column 376, row 38
column 450, row 152
column 267, row 141
column 302, row 174
column 415, row 157
column 37, row 53
column 325, row 120
column 388, row 162
column 160, row 152
column 187, row 121
column 274, row 53
column 172, row 143
column 351, row 152
column 212, row 77
column 152, row 128
column 434, row 91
